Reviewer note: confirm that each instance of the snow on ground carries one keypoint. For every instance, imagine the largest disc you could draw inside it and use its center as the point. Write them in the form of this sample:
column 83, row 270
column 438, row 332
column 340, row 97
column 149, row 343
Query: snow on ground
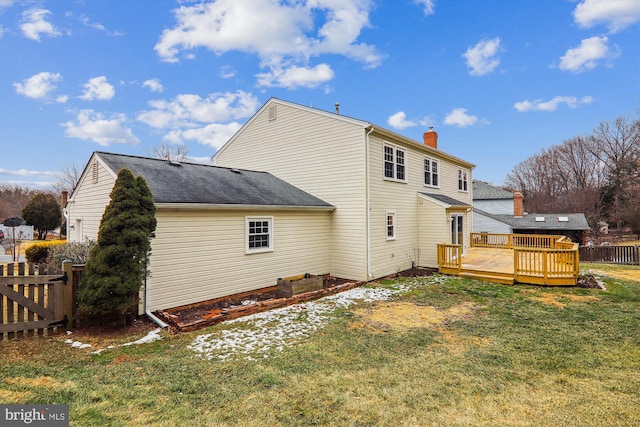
column 256, row 335
column 149, row 338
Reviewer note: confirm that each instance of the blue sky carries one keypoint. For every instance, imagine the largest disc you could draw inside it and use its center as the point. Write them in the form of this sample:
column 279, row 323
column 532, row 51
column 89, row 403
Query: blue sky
column 498, row 79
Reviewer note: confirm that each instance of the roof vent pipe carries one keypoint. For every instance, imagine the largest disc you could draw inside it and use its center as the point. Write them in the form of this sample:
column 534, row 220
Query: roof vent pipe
column 337, row 108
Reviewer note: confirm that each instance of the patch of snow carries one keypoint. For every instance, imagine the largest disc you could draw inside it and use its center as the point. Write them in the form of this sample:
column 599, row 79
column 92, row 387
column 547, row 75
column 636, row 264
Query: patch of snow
column 260, row 333
column 149, row 338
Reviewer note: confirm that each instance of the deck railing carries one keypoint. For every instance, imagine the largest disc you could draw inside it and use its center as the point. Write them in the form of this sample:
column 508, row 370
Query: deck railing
column 449, row 258
column 537, row 259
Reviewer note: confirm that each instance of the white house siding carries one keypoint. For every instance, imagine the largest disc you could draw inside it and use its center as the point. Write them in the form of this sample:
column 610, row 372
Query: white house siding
column 484, row 224
column 496, row 207
column 421, row 224
column 199, row 255
column 86, row 206
column 320, row 154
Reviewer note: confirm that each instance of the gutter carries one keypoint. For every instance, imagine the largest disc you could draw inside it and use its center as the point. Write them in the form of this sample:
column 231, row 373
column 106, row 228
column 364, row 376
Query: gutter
column 148, row 312
column 368, row 191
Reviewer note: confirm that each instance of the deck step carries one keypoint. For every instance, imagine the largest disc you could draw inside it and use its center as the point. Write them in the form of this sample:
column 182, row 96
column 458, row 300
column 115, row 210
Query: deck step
column 505, row 279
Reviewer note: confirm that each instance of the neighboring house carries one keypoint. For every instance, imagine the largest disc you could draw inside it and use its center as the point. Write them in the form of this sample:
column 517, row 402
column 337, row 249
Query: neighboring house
column 498, row 211
column 351, row 199
column 395, row 198
column 220, row 231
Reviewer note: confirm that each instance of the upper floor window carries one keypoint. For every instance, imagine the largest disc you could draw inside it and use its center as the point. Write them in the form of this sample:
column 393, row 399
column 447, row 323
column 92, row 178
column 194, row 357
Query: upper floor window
column 431, row 171
column 463, row 183
column 259, row 234
column 394, row 162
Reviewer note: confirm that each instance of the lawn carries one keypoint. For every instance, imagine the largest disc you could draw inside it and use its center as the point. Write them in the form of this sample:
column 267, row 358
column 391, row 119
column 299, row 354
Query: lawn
column 429, row 351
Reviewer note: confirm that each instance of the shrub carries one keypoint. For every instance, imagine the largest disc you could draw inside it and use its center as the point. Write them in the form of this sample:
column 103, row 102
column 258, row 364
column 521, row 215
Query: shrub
column 39, row 252
column 76, row 252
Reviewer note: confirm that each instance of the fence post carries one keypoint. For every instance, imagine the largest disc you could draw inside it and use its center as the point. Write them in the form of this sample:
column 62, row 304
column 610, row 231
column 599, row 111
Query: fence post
column 69, row 297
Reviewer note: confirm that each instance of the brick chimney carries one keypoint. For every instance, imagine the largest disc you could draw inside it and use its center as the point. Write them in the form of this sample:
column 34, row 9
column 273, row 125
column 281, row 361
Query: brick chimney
column 431, row 138
column 64, row 196
column 518, row 205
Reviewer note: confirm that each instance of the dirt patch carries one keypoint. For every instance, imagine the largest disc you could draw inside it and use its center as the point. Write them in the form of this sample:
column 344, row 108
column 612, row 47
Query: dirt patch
column 621, row 273
column 456, row 344
column 47, row 382
column 9, row 397
column 404, row 315
column 555, row 299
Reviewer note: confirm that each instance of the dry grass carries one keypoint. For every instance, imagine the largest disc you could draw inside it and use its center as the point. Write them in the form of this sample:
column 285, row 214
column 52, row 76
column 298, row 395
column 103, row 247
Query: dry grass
column 449, row 352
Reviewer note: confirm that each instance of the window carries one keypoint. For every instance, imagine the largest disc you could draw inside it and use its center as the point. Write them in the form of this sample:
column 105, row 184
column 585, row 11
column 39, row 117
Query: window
column 431, row 172
column 462, row 180
column 259, row 234
column 394, row 163
column 391, row 225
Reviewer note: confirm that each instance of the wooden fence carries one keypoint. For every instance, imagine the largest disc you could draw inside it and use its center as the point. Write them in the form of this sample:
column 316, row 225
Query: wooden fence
column 35, row 300
column 611, row 254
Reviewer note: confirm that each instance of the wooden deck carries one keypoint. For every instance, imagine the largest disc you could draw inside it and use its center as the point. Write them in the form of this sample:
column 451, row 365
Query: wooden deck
column 541, row 260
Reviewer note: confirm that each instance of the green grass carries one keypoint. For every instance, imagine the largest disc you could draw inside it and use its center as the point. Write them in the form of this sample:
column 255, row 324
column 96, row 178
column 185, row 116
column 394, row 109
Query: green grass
column 517, row 360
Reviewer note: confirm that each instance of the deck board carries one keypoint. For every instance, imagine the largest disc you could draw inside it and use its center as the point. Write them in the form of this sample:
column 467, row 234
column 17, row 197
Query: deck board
column 488, row 259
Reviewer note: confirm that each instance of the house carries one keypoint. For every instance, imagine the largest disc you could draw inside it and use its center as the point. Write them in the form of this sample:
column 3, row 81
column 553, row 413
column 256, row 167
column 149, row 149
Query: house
column 339, row 196
column 498, row 211
column 395, row 198
column 220, row 231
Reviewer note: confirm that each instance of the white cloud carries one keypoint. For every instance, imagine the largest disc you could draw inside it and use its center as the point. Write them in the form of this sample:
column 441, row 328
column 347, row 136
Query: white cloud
column 38, row 86
column 25, row 172
column 459, row 117
column 188, row 110
column 482, row 58
column 213, row 135
column 154, row 85
column 34, row 24
column 399, row 121
column 295, row 76
column 2, row 31
column 615, row 14
column 98, row 88
column 227, row 72
column 588, row 55
column 281, row 34
column 6, row 3
column 92, row 126
column 551, row 105
column 428, row 5
column 97, row 26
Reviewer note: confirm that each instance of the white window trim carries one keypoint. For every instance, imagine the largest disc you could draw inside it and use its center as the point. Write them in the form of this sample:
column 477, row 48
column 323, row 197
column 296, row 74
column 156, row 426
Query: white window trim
column 395, row 164
column 391, row 214
column 463, row 177
column 249, row 250
column 432, row 161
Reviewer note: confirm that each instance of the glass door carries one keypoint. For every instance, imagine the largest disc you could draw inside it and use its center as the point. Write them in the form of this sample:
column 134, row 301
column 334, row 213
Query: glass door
column 457, row 229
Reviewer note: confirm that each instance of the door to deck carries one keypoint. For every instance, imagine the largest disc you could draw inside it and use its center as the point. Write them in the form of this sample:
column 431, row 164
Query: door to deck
column 457, row 230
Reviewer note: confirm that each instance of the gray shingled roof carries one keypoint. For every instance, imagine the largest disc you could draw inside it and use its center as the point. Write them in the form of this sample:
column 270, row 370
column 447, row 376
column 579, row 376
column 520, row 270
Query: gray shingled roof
column 172, row 182
column 445, row 199
column 485, row 191
column 575, row 221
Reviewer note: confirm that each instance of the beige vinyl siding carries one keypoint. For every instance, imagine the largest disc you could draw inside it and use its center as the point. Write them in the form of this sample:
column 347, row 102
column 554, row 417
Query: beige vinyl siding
column 320, row 154
column 421, row 224
column 86, row 207
column 199, row 255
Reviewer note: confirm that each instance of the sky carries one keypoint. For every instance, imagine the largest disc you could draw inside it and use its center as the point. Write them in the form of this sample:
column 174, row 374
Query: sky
column 499, row 80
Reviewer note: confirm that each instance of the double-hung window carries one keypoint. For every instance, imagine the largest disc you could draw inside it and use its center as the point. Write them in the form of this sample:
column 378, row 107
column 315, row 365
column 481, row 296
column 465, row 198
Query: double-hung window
column 463, row 184
column 431, row 171
column 395, row 163
column 259, row 235
column 391, row 225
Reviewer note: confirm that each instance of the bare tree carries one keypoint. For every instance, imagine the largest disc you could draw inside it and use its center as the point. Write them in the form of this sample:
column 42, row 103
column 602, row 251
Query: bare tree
column 13, row 199
column 178, row 153
column 67, row 178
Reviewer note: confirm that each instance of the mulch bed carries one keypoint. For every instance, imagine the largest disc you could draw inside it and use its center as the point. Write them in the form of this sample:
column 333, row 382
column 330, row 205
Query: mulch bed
column 206, row 313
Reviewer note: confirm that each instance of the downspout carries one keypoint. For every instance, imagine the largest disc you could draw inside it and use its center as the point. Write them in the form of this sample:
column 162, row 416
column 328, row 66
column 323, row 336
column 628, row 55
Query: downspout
column 148, row 312
column 368, row 190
